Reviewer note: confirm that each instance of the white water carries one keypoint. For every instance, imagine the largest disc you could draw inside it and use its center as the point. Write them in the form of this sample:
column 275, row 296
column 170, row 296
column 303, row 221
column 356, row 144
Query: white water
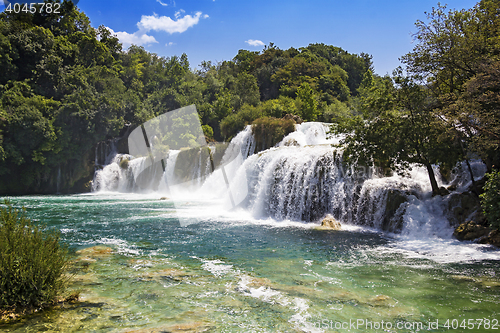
column 302, row 179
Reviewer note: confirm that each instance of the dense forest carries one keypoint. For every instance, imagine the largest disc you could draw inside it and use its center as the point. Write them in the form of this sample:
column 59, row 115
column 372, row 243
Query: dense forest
column 65, row 86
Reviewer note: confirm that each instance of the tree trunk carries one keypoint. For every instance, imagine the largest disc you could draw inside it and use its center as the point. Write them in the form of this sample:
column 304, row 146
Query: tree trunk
column 432, row 178
column 474, row 188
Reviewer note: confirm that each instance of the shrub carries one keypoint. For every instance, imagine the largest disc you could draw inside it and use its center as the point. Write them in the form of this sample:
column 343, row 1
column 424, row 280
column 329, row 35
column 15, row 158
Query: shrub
column 490, row 199
column 236, row 122
column 269, row 131
column 32, row 262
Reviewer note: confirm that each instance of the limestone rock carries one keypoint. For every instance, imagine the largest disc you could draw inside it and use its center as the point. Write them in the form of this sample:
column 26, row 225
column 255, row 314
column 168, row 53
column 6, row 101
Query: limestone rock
column 295, row 118
column 95, row 251
column 291, row 142
column 329, row 222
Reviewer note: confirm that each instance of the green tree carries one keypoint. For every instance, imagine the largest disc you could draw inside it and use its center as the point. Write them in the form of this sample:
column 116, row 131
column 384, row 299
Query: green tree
column 246, row 90
column 396, row 128
column 309, row 104
column 455, row 56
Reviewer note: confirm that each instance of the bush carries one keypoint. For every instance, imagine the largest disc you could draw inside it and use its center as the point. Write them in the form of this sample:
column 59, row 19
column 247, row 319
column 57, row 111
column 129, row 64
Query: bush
column 236, row 122
column 32, row 262
column 490, row 199
column 269, row 131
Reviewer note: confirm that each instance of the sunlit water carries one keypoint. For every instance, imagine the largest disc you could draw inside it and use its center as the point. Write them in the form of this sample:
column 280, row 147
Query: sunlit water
column 229, row 272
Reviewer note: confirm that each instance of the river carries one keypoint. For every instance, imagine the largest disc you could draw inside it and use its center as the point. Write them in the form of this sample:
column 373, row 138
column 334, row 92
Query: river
column 189, row 264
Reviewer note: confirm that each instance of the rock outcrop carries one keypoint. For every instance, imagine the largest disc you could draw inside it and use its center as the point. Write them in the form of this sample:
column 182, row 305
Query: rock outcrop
column 492, row 238
column 470, row 231
column 463, row 207
column 330, row 223
column 393, row 219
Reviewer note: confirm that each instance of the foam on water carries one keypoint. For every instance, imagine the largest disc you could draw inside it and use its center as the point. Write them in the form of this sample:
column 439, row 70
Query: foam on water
column 233, row 272
column 299, row 181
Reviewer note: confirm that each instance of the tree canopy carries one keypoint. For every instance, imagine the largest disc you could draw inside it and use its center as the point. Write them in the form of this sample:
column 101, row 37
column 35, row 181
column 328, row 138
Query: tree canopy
column 443, row 106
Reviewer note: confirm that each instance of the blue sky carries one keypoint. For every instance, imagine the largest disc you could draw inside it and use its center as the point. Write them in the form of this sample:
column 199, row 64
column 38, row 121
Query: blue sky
column 216, row 29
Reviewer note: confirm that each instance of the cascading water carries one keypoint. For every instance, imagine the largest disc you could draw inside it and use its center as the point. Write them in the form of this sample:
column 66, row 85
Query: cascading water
column 189, row 263
column 301, row 179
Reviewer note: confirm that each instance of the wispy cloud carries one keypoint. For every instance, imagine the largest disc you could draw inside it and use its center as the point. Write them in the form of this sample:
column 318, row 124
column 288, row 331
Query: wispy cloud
column 165, row 23
column 170, row 44
column 137, row 38
column 172, row 3
column 179, row 13
column 255, row 42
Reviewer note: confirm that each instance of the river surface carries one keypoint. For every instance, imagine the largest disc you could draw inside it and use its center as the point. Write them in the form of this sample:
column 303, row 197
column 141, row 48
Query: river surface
column 139, row 267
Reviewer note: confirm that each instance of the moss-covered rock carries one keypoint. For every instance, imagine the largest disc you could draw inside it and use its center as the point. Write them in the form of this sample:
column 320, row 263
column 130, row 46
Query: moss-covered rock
column 469, row 231
column 394, row 222
column 462, row 207
column 492, row 238
column 124, row 163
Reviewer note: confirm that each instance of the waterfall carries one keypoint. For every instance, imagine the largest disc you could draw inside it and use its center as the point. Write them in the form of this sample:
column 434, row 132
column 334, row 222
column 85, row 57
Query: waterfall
column 302, row 178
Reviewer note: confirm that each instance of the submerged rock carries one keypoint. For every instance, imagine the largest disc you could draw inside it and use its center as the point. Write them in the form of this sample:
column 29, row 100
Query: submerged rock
column 95, row 251
column 197, row 326
column 330, row 223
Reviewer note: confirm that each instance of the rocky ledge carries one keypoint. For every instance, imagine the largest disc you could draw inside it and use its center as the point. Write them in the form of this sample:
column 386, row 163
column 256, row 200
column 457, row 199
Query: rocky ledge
column 471, row 231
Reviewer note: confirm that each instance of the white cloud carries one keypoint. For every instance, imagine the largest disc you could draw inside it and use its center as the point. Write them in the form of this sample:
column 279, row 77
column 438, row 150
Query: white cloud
column 255, row 42
column 178, row 14
column 165, row 23
column 172, row 3
column 137, row 38
column 170, row 44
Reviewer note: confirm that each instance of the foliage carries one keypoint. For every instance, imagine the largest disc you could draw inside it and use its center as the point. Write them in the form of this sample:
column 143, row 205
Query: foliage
column 457, row 58
column 65, row 86
column 336, row 111
column 236, row 122
column 444, row 109
column 490, row 199
column 309, row 104
column 32, row 261
column 396, row 128
column 268, row 131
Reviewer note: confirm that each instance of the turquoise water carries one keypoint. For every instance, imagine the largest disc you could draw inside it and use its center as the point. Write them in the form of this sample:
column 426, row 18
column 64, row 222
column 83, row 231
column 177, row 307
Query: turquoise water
column 139, row 269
